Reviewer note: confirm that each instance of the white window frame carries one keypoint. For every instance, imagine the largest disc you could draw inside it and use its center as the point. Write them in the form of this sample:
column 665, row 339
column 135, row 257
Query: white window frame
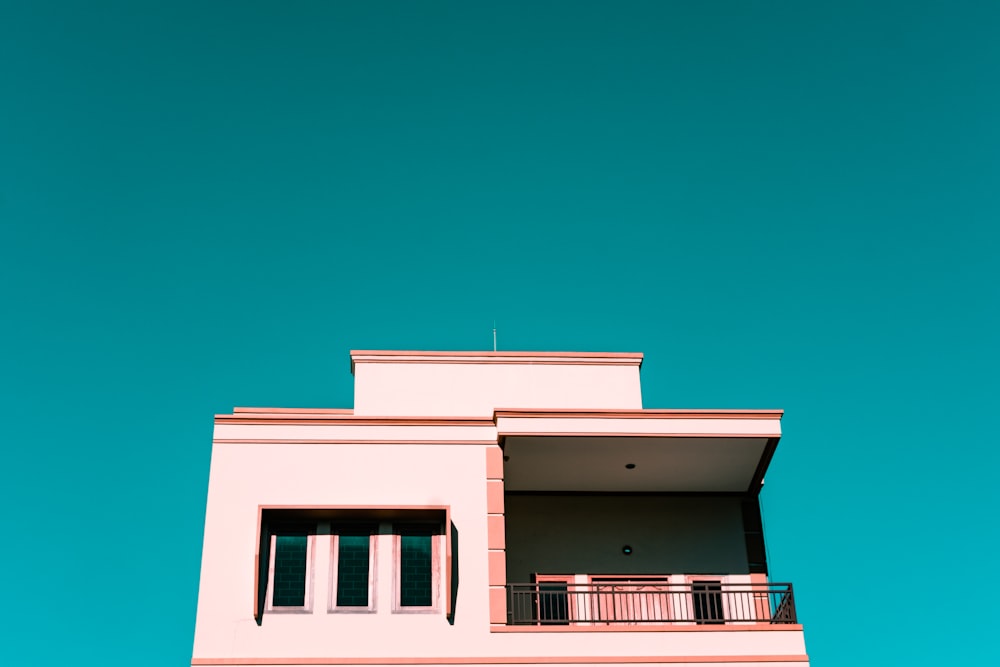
column 372, row 575
column 437, row 567
column 310, row 569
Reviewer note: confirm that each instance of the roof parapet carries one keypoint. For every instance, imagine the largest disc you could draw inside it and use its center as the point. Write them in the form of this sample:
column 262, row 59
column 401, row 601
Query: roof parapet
column 486, row 357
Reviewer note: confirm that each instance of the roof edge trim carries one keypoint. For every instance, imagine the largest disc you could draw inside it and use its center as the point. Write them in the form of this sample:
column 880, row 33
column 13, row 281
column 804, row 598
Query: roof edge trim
column 638, row 414
column 487, row 357
column 349, row 420
column 297, row 411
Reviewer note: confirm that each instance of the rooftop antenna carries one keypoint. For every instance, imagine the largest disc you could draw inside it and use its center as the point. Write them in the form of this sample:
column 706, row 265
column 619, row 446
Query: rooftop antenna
column 494, row 335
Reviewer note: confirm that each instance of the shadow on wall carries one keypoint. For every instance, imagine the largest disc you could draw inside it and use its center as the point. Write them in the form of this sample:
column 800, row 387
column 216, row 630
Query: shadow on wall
column 454, row 573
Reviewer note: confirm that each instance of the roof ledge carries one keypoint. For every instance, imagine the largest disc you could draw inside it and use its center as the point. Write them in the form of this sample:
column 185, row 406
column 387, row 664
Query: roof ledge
column 470, row 357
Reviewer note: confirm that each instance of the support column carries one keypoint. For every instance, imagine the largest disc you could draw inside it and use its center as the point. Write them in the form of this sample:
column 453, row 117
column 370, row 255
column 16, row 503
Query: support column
column 496, row 535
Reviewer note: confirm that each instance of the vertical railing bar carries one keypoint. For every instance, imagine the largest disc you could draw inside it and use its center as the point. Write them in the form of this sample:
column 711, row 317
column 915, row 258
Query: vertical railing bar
column 652, row 602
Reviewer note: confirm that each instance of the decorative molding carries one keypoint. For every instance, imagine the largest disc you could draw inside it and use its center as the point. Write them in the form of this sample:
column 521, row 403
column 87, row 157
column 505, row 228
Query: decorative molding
column 512, row 660
column 350, row 441
column 532, row 358
column 348, row 420
column 638, row 414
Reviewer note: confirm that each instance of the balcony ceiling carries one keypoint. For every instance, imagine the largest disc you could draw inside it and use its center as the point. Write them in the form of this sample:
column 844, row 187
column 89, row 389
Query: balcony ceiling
column 662, row 464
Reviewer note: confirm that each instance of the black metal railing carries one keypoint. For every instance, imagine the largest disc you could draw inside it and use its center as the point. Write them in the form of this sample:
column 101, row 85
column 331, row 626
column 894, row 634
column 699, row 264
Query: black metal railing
column 648, row 601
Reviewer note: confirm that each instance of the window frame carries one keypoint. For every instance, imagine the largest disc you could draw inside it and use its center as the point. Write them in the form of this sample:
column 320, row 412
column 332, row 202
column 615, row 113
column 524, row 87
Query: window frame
column 436, row 533
column 710, row 597
column 272, row 519
column 547, row 601
column 307, row 606
column 335, row 534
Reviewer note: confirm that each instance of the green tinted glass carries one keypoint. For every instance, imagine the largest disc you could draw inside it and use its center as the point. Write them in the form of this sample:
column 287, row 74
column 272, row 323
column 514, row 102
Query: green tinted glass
column 415, row 571
column 290, row 571
column 352, row 570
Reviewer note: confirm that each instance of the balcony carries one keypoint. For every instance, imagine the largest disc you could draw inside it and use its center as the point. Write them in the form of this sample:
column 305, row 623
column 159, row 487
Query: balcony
column 633, row 601
column 645, row 518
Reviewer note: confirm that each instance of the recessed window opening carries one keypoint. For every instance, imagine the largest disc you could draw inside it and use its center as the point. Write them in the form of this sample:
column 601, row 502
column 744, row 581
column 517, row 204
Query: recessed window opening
column 707, row 598
column 415, row 571
column 290, row 565
column 347, row 544
column 354, row 566
column 289, row 571
column 418, row 566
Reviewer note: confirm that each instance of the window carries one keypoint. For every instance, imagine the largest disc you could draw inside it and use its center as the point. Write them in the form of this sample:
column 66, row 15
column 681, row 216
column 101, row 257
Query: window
column 553, row 603
column 707, row 598
column 418, row 567
column 289, row 586
column 555, row 599
column 353, row 574
column 295, row 544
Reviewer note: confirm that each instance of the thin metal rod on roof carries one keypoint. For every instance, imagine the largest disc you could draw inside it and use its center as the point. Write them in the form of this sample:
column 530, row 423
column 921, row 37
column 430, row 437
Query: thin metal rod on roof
column 494, row 335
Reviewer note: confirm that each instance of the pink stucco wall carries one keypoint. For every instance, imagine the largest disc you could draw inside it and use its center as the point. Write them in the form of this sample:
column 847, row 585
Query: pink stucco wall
column 245, row 476
column 461, row 385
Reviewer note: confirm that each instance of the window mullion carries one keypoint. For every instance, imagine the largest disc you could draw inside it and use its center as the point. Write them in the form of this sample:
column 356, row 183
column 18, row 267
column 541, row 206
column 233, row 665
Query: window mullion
column 321, row 573
column 385, row 566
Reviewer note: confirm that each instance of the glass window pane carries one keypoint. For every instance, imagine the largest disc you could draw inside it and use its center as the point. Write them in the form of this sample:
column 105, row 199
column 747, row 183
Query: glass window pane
column 415, row 571
column 290, row 571
column 352, row 570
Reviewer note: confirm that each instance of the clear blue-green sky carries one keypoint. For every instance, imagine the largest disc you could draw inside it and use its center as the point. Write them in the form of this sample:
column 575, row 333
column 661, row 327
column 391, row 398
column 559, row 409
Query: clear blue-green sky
column 783, row 204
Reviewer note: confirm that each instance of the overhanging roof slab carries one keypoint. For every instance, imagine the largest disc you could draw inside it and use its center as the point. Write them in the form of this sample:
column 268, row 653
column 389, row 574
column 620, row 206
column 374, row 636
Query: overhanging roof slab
column 641, row 451
column 664, row 423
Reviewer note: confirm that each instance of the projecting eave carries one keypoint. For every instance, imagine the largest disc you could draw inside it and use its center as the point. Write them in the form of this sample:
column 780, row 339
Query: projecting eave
column 688, row 451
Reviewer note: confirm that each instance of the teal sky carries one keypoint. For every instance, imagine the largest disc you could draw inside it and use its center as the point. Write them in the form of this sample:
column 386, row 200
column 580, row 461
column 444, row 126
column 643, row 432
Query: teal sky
column 782, row 204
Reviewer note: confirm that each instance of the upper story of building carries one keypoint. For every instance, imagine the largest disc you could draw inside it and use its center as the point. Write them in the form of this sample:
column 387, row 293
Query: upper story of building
column 477, row 384
column 484, row 507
